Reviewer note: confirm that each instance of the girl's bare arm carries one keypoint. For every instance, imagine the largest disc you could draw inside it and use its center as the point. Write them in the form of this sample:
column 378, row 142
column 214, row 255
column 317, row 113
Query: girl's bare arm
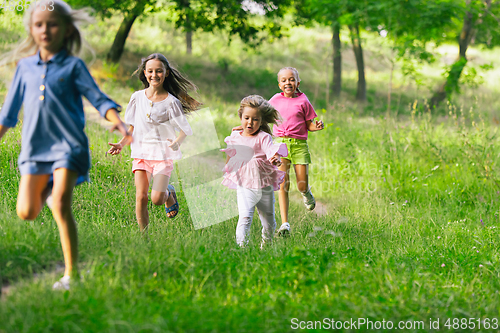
column 112, row 116
column 116, row 148
column 314, row 126
column 175, row 144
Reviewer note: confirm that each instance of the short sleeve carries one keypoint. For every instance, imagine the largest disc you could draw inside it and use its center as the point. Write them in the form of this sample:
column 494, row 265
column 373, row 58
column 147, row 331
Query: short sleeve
column 272, row 100
column 271, row 148
column 229, row 140
column 87, row 87
column 130, row 112
column 309, row 112
column 9, row 112
column 178, row 118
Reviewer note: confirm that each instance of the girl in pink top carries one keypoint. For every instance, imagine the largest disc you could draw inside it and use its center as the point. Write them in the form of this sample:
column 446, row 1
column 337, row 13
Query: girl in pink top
column 298, row 115
column 251, row 169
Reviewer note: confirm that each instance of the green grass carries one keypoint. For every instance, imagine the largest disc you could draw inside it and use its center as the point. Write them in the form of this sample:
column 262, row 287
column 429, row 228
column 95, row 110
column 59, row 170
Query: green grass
column 411, row 231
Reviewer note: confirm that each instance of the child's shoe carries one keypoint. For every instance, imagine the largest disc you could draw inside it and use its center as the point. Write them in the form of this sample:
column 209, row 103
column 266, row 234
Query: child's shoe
column 62, row 284
column 284, row 230
column 309, row 200
column 175, row 207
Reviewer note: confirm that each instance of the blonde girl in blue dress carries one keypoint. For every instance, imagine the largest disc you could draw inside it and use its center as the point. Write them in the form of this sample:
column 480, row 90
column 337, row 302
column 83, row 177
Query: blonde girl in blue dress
column 50, row 84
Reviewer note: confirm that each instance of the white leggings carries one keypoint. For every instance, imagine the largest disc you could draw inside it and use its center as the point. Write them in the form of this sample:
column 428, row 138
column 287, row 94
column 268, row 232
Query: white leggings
column 247, row 200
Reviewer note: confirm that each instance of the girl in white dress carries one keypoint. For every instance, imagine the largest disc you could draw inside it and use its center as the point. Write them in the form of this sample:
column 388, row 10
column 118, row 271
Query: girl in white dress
column 154, row 115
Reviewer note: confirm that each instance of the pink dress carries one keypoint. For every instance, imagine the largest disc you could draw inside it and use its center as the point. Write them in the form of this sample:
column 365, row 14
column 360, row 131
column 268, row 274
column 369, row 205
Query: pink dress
column 249, row 165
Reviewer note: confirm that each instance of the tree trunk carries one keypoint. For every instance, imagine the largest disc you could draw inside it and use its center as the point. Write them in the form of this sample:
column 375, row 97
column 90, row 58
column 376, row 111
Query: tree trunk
column 358, row 53
column 466, row 35
column 337, row 61
column 118, row 46
column 189, row 42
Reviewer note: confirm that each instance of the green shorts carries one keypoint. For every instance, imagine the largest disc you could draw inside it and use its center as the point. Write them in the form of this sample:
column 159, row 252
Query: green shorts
column 298, row 150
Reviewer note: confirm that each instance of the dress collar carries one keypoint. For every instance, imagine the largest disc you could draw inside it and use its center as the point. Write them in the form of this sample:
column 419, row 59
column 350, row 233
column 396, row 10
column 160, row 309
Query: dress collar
column 57, row 58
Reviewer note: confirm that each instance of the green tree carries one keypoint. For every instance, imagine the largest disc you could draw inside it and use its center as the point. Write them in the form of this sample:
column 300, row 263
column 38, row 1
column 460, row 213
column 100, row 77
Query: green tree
column 480, row 18
column 130, row 9
column 410, row 25
column 355, row 14
column 190, row 16
column 229, row 15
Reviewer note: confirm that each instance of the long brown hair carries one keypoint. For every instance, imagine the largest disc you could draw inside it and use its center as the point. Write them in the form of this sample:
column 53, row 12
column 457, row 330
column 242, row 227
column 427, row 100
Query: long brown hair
column 174, row 83
column 267, row 112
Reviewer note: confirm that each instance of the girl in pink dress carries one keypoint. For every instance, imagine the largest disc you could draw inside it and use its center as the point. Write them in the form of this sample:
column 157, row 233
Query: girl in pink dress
column 251, row 169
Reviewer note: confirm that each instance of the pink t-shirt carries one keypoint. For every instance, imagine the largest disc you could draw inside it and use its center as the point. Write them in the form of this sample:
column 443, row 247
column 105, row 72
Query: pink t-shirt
column 249, row 165
column 295, row 112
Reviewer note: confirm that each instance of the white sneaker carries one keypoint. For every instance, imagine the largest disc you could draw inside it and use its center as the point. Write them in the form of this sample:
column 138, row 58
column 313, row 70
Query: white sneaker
column 62, row 284
column 309, row 200
column 284, row 230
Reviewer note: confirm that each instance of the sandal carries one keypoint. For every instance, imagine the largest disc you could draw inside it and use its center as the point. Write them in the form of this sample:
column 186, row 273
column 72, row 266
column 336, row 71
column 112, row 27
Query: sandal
column 175, row 206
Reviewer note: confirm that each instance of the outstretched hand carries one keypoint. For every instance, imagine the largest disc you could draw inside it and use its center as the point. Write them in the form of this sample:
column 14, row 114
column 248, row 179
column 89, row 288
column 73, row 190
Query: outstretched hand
column 275, row 160
column 237, row 128
column 115, row 149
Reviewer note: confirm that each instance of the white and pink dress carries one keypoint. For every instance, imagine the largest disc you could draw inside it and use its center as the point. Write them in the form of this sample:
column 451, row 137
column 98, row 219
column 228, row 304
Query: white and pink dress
column 250, row 172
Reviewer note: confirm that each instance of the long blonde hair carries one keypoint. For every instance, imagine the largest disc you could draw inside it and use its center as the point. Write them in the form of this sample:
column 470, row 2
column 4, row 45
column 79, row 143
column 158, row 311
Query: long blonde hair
column 72, row 18
column 267, row 112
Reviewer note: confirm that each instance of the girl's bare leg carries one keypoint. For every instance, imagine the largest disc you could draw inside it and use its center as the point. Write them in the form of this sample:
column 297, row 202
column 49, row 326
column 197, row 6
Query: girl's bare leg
column 302, row 173
column 284, row 189
column 159, row 191
column 62, row 195
column 141, row 198
column 32, row 194
column 159, row 194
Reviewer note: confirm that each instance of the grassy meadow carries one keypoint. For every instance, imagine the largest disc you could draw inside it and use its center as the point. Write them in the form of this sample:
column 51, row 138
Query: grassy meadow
column 411, row 232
